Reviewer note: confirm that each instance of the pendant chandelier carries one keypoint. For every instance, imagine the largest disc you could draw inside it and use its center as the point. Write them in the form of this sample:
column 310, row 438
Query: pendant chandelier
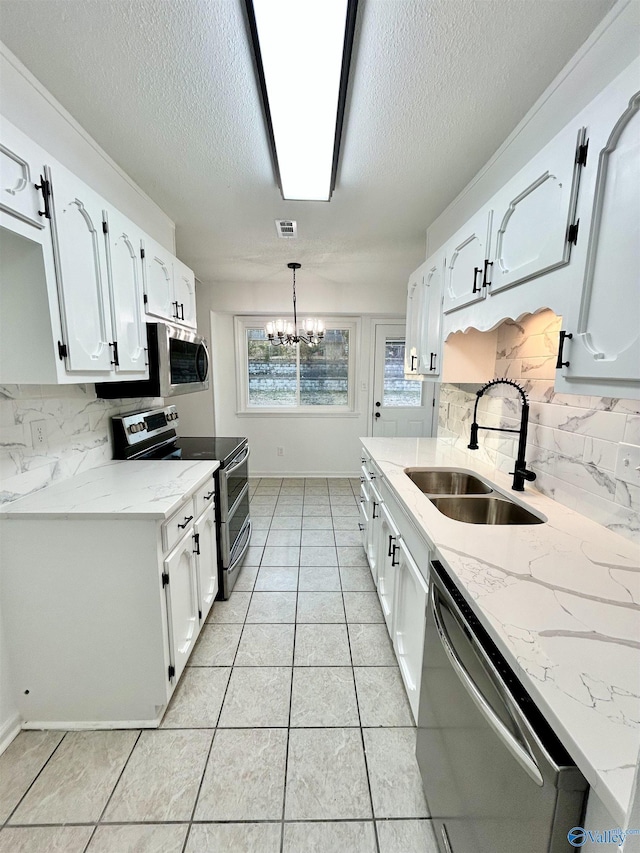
column 286, row 333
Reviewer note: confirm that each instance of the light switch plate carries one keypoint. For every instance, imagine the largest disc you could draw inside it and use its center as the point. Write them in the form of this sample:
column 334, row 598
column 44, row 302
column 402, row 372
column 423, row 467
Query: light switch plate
column 628, row 463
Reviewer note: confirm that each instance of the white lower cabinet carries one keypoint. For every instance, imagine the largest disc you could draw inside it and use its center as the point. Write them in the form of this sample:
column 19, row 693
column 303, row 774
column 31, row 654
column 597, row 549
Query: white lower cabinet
column 206, row 561
column 180, row 584
column 101, row 614
column 371, row 546
column 410, row 609
column 387, row 563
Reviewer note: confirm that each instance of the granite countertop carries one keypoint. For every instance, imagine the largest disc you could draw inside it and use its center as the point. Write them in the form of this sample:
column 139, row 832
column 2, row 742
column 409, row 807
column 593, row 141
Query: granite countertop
column 561, row 600
column 144, row 489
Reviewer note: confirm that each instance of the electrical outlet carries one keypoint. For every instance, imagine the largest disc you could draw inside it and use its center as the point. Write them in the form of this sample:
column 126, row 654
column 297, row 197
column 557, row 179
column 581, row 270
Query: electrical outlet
column 628, row 463
column 280, row 451
column 39, row 434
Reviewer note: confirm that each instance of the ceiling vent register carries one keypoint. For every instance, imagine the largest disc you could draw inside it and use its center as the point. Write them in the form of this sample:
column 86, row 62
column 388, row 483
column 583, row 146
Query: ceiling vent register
column 287, row 228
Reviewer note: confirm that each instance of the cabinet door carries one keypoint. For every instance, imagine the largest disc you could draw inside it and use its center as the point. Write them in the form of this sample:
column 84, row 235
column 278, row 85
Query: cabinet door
column 387, row 564
column 182, row 603
column 206, row 561
column 158, row 280
column 466, row 256
column 411, row 597
column 372, row 532
column 365, row 512
column 431, row 319
column 125, row 289
column 80, row 257
column 606, row 342
column 184, row 284
column 533, row 212
column 414, row 320
column 21, row 168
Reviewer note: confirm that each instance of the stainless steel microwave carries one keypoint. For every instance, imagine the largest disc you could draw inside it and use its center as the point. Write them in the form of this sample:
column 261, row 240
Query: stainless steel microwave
column 178, row 364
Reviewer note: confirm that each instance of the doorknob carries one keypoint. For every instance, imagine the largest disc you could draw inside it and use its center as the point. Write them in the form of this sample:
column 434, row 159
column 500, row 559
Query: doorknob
column 377, row 414
column 377, row 405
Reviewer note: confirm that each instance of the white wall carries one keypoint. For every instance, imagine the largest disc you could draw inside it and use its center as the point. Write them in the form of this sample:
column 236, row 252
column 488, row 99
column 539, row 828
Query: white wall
column 313, row 445
column 76, row 423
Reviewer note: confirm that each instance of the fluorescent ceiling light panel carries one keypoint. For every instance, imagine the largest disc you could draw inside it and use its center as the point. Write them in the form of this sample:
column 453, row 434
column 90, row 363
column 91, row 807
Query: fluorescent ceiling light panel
column 301, row 45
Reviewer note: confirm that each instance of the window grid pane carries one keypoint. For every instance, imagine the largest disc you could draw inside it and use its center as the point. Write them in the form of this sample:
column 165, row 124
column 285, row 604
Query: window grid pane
column 397, row 390
column 299, row 375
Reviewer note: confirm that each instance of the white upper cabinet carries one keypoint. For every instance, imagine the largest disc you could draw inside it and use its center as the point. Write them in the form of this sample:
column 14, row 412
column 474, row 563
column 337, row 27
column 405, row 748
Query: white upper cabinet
column 169, row 286
column 158, row 280
column 430, row 349
column 467, row 256
column 415, row 294
column 125, row 289
column 185, row 293
column 603, row 330
column 533, row 214
column 21, row 172
column 80, row 256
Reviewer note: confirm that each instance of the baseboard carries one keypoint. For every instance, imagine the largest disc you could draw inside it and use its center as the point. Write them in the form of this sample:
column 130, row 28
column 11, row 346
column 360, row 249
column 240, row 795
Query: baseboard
column 65, row 725
column 9, row 730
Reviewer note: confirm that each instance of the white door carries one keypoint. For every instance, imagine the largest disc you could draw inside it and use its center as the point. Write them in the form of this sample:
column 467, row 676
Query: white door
column 533, row 212
column 467, row 254
column 606, row 342
column 182, row 603
column 401, row 407
column 206, row 561
column 21, row 168
column 158, row 280
column 125, row 287
column 81, row 268
column 387, row 563
column 184, row 284
column 410, row 600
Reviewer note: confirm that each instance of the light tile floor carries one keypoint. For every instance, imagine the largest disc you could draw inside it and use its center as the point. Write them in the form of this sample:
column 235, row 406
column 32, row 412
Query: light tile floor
column 290, row 731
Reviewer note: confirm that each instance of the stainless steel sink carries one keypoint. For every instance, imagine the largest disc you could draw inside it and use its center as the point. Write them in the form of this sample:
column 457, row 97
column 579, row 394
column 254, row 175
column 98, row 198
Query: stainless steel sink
column 443, row 482
column 484, row 510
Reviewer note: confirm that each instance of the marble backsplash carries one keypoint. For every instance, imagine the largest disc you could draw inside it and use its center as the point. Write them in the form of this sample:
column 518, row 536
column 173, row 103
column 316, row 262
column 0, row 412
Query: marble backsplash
column 76, row 427
column 572, row 440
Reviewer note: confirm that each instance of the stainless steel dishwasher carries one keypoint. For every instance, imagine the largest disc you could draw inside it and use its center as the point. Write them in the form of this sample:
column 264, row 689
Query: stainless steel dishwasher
column 496, row 777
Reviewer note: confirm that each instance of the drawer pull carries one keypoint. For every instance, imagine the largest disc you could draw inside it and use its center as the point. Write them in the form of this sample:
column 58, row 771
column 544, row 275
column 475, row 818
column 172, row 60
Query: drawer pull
column 209, row 496
column 187, row 519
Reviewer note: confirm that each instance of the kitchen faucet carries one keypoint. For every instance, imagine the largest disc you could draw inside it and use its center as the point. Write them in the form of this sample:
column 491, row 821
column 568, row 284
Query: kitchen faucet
column 520, row 473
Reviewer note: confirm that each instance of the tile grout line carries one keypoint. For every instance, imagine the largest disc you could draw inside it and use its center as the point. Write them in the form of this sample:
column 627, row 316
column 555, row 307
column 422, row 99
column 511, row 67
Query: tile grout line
column 33, row 781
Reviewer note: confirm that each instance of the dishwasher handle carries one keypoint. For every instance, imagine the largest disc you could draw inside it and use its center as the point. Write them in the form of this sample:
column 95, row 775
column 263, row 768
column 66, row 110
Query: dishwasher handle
column 515, row 748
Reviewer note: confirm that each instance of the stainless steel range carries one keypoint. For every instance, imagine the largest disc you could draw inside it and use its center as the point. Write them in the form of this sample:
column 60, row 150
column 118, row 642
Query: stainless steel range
column 153, row 434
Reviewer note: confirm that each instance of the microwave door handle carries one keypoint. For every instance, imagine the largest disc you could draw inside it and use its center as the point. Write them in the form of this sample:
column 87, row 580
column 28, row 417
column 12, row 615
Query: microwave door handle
column 202, row 378
column 515, row 748
column 237, row 462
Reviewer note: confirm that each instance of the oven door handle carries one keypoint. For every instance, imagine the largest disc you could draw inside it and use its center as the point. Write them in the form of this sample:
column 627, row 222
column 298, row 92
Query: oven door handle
column 237, row 462
column 515, row 748
column 244, row 547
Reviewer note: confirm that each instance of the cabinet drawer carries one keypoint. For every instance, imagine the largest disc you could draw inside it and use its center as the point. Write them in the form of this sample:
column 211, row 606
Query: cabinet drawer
column 204, row 497
column 175, row 527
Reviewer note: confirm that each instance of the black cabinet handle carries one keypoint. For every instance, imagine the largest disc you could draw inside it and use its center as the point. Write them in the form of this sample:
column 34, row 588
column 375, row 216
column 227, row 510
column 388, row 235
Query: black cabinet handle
column 375, row 504
column 181, row 310
column 413, row 358
column 175, row 316
column 391, row 541
column 476, row 270
column 432, row 361
column 196, row 542
column 45, row 186
column 187, row 519
column 209, row 496
column 394, row 550
column 563, row 336
column 485, row 279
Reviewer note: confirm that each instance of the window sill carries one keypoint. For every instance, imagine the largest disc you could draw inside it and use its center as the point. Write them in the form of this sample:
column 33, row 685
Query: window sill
column 297, row 413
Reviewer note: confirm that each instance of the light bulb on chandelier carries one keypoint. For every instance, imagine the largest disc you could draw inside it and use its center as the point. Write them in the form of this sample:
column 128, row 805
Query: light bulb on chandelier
column 286, row 333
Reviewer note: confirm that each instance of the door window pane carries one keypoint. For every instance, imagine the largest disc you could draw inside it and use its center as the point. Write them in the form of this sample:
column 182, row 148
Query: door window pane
column 273, row 376
column 324, row 370
column 397, row 390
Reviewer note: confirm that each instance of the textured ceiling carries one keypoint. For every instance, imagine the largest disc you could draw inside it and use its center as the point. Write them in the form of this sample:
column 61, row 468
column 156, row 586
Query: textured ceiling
column 167, row 88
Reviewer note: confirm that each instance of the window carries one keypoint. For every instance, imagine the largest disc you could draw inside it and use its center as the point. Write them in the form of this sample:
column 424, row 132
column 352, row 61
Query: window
column 301, row 378
column 397, row 390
